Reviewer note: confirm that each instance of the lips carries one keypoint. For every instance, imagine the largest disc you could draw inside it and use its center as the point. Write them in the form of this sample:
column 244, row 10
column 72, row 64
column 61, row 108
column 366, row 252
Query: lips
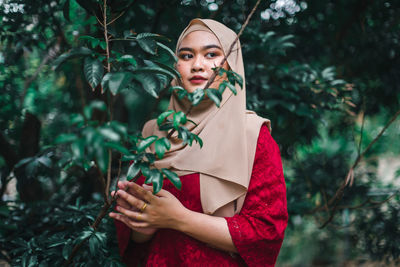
column 197, row 79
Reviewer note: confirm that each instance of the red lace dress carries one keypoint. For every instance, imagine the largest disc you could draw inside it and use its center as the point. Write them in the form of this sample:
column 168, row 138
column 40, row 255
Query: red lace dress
column 257, row 231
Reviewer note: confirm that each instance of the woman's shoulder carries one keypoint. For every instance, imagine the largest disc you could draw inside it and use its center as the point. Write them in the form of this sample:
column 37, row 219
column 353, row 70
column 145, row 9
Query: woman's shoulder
column 148, row 128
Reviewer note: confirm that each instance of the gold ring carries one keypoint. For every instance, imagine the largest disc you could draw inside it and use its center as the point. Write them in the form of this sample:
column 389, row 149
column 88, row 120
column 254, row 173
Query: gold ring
column 139, row 217
column 144, row 207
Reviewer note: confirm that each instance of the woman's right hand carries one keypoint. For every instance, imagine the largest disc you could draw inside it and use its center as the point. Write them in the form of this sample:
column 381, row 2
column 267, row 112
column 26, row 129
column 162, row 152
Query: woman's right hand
column 140, row 234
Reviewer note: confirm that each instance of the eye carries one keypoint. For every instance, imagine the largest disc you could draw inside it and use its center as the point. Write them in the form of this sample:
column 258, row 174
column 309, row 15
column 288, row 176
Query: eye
column 211, row 55
column 185, row 56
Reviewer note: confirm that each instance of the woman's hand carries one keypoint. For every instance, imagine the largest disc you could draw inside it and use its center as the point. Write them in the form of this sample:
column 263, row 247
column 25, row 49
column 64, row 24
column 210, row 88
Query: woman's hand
column 144, row 212
column 146, row 231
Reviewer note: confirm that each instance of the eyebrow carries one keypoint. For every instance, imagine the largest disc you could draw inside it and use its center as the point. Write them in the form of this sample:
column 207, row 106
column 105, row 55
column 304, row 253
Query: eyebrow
column 202, row 48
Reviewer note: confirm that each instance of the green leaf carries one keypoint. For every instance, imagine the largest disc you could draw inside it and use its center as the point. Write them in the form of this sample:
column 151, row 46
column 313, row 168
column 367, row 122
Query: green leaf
column 149, row 45
column 88, row 111
column 161, row 118
column 146, row 35
column 94, row 71
column 119, row 127
column 129, row 59
column 178, row 119
column 116, row 81
column 157, row 180
column 214, row 95
column 198, row 140
column 172, row 71
column 101, row 154
column 231, row 78
column 117, row 147
column 184, row 134
column 67, row 249
column 76, row 118
column 166, row 126
column 45, row 161
column 109, row 133
column 154, row 70
column 173, row 177
column 33, row 261
column 165, row 55
column 94, row 42
column 73, row 53
column 196, row 96
column 222, row 86
column 78, row 149
column 221, row 71
column 180, row 91
column 149, row 83
column 65, row 138
column 94, row 244
column 232, row 88
column 238, row 78
column 146, row 143
column 144, row 168
column 133, row 171
column 97, row 104
column 162, row 145
column 103, row 45
column 129, row 157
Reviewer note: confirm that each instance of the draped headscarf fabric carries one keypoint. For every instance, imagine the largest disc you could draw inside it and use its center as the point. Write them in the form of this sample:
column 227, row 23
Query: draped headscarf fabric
column 229, row 135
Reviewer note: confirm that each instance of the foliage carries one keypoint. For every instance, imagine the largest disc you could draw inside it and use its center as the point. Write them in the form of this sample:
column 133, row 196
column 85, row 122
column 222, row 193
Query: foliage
column 45, row 233
column 324, row 72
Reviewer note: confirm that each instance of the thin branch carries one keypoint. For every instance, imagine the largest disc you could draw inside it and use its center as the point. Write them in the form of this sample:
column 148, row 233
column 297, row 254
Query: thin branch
column 362, row 130
column 119, row 172
column 350, row 175
column 98, row 20
column 106, row 36
column 107, row 187
column 112, row 21
column 216, row 70
column 121, row 39
column 101, row 180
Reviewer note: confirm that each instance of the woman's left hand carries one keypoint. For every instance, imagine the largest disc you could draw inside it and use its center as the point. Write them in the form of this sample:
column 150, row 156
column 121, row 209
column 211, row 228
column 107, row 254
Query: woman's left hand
column 162, row 210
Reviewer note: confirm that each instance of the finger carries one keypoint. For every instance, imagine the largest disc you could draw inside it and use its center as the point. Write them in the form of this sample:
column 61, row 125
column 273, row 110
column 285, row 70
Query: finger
column 121, row 185
column 142, row 193
column 133, row 215
column 123, row 203
column 128, row 222
column 161, row 193
column 120, row 201
column 131, row 200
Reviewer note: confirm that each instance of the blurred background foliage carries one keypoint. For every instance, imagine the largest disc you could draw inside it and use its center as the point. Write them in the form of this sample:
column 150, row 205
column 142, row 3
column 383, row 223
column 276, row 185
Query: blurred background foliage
column 327, row 74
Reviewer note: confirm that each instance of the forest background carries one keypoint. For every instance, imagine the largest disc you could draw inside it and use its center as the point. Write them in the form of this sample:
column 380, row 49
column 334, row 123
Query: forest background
column 327, row 74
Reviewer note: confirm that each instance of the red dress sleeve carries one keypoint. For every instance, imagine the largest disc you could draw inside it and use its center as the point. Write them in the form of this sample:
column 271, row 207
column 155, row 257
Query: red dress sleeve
column 258, row 230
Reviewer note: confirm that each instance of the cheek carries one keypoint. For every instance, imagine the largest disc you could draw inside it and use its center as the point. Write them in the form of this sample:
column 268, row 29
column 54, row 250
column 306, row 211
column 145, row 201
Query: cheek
column 180, row 68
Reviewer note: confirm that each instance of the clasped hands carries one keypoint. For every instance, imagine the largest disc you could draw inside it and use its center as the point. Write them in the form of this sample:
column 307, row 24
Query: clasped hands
column 144, row 212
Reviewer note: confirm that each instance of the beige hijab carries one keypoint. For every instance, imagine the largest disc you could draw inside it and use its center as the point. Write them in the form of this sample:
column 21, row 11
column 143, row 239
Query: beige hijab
column 229, row 134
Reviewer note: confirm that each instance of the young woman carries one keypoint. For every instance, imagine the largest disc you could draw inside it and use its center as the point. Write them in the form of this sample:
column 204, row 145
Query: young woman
column 231, row 210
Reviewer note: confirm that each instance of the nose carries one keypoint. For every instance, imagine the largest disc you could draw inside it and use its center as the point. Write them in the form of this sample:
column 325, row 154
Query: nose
column 198, row 64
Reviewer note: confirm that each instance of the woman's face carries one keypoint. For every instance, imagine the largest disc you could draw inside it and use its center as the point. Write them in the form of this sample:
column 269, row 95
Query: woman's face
column 198, row 53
